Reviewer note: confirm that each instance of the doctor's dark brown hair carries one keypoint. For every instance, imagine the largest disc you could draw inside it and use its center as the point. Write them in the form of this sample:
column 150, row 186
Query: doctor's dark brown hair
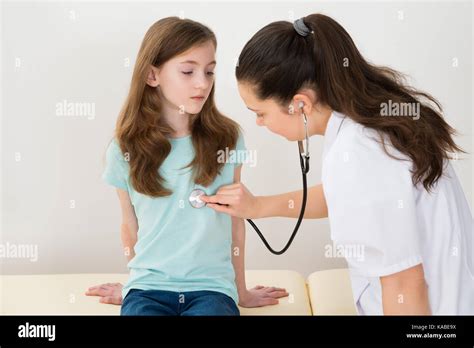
column 140, row 130
column 277, row 62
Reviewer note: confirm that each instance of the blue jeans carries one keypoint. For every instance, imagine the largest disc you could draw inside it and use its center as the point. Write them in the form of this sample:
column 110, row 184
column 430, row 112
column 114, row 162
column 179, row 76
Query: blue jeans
column 161, row 302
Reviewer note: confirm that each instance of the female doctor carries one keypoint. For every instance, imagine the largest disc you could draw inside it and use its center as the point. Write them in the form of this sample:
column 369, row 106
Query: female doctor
column 387, row 184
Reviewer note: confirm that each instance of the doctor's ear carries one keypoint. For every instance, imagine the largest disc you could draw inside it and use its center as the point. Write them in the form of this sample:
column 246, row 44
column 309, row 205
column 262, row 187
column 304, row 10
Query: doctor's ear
column 152, row 77
column 299, row 105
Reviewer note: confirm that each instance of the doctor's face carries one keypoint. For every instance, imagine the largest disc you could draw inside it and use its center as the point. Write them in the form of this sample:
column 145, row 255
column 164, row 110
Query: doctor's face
column 271, row 114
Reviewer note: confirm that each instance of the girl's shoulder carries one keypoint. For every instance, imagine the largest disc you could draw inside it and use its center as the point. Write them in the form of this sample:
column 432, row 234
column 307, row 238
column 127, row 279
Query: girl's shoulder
column 240, row 145
column 114, row 152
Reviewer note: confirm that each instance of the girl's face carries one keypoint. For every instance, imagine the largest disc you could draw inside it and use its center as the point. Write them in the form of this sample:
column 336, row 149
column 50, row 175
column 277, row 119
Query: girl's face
column 186, row 80
column 272, row 115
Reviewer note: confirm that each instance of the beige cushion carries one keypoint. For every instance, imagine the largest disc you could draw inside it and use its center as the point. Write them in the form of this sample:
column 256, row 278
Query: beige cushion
column 330, row 292
column 64, row 293
column 297, row 303
column 55, row 294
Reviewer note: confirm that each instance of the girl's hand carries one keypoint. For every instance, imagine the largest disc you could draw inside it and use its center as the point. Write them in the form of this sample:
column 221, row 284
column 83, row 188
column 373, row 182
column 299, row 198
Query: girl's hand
column 261, row 296
column 110, row 293
column 235, row 200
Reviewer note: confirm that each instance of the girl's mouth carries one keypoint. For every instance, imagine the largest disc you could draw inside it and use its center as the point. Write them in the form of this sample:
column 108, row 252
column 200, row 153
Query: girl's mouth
column 198, row 98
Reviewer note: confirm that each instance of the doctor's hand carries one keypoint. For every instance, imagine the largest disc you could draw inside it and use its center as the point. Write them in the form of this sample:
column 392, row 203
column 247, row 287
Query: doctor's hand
column 110, row 293
column 235, row 200
column 261, row 296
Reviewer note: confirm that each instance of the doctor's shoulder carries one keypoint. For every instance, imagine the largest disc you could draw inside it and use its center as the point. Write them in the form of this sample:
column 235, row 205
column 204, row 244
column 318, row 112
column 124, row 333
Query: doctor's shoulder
column 367, row 141
column 365, row 157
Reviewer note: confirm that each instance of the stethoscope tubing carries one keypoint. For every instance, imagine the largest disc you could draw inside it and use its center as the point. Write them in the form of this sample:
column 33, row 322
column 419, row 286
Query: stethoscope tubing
column 304, row 162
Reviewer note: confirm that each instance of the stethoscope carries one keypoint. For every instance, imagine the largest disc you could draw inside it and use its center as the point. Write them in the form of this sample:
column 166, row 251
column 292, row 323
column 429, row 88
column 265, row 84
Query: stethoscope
column 196, row 202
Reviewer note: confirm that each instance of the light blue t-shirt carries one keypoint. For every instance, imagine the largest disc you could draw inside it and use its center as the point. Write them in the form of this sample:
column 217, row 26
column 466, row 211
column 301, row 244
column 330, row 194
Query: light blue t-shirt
column 179, row 248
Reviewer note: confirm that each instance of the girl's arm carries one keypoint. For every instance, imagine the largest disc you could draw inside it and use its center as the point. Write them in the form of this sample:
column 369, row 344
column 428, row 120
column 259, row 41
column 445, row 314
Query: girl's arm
column 405, row 293
column 238, row 247
column 129, row 226
column 260, row 295
column 238, row 255
column 237, row 200
column 111, row 293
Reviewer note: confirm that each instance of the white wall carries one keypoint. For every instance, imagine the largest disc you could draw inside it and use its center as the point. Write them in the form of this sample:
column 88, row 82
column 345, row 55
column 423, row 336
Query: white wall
column 53, row 197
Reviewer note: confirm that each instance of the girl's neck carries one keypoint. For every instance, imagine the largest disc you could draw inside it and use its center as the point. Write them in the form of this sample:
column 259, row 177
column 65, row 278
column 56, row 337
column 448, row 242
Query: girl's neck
column 177, row 120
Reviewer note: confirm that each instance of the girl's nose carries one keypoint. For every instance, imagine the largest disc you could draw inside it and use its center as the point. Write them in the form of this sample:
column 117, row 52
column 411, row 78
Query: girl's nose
column 202, row 82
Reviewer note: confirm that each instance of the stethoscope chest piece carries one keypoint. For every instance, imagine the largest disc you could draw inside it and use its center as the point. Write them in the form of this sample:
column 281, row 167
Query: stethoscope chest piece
column 194, row 198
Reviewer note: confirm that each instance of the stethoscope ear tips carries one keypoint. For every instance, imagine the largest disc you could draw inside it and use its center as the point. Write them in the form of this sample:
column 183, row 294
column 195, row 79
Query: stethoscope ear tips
column 195, row 200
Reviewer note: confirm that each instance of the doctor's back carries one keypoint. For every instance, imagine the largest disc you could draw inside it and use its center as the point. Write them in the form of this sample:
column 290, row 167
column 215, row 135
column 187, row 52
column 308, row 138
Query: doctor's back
column 374, row 207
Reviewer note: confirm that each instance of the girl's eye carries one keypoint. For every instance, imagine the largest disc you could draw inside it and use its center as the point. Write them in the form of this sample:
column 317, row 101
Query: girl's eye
column 190, row 72
column 259, row 115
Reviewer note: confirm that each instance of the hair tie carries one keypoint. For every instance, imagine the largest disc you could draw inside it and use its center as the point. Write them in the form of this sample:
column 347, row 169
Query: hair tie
column 301, row 28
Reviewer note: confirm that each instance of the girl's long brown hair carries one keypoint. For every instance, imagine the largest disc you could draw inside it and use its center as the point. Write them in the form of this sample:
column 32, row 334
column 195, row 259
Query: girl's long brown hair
column 278, row 62
column 140, row 130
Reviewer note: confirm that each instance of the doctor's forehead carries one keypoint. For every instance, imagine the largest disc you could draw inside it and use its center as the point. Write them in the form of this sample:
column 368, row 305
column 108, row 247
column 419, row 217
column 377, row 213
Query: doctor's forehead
column 248, row 95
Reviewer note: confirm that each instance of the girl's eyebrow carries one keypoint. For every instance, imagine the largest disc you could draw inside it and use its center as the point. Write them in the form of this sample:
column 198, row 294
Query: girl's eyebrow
column 252, row 109
column 196, row 63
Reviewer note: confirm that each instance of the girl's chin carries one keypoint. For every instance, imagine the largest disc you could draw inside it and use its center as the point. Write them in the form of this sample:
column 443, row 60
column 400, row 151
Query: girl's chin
column 193, row 110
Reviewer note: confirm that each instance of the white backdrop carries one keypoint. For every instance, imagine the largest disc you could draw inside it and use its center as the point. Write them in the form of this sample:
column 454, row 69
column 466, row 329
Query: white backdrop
column 53, row 200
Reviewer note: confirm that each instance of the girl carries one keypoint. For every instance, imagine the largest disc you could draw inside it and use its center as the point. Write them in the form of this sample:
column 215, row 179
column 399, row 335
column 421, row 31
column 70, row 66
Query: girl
column 387, row 185
column 166, row 143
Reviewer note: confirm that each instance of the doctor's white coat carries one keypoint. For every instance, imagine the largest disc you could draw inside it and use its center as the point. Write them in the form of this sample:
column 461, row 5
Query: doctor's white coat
column 374, row 207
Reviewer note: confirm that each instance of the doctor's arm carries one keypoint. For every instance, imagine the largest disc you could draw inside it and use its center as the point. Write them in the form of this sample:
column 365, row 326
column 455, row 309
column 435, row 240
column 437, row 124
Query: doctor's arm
column 260, row 295
column 289, row 204
column 405, row 293
column 237, row 200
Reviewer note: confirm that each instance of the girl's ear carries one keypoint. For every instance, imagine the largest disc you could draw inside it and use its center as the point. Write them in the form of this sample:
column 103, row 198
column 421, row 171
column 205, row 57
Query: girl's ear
column 152, row 78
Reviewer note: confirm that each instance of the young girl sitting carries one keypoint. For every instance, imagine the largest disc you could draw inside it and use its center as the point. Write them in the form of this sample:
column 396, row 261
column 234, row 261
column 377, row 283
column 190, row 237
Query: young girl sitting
column 183, row 260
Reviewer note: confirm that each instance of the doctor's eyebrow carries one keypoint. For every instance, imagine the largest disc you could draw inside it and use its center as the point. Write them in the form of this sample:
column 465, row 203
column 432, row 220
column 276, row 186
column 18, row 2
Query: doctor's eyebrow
column 252, row 109
column 196, row 63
